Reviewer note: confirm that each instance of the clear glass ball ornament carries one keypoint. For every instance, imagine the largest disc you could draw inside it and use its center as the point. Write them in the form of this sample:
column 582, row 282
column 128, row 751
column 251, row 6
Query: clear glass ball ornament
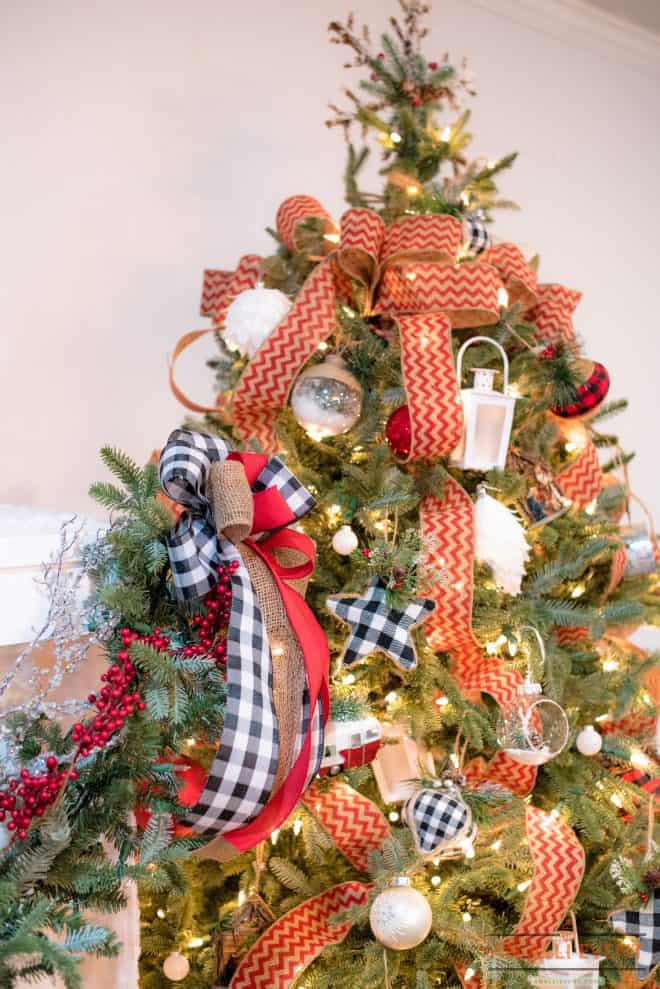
column 400, row 916
column 326, row 399
column 532, row 729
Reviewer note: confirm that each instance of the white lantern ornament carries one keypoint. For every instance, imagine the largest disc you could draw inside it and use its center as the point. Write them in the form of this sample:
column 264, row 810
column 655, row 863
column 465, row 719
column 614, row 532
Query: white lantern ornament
column 532, row 729
column 566, row 966
column 487, row 415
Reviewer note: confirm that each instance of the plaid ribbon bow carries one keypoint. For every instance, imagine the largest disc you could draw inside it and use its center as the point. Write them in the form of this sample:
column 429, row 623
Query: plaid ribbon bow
column 240, row 783
column 194, row 548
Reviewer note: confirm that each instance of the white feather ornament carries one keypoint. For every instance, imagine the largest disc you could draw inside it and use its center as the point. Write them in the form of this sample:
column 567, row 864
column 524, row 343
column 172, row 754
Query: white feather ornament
column 252, row 316
column 499, row 542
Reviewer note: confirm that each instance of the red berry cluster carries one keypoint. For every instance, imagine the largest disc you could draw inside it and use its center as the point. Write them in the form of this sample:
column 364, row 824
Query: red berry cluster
column 37, row 792
column 212, row 625
column 116, row 700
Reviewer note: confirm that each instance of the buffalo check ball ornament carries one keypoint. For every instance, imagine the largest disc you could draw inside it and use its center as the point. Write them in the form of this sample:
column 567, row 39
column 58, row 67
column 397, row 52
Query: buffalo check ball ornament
column 645, row 925
column 376, row 627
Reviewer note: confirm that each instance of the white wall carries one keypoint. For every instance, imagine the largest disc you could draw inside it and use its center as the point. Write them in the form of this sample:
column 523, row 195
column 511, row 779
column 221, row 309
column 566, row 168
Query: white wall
column 144, row 141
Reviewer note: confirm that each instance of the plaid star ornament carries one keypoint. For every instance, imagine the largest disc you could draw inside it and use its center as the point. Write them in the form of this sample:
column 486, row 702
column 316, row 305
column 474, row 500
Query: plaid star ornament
column 375, row 627
column 645, row 925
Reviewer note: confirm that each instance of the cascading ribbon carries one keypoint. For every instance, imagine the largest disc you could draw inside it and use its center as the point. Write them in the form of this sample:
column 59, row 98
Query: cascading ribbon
column 558, row 869
column 448, row 536
column 264, row 760
column 292, row 943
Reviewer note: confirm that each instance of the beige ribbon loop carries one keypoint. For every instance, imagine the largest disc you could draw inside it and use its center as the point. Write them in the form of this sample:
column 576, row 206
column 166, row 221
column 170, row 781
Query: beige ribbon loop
column 231, row 500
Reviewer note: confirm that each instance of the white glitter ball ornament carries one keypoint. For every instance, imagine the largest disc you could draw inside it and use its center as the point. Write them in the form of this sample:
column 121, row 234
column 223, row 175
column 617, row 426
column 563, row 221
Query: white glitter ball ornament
column 326, row 399
column 176, row 967
column 589, row 741
column 252, row 316
column 400, row 916
column 344, row 541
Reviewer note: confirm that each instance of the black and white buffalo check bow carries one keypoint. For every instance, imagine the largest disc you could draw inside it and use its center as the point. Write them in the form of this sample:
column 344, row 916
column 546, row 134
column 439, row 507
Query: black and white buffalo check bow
column 375, row 627
column 437, row 818
column 193, row 545
column 477, row 238
column 645, row 925
column 241, row 779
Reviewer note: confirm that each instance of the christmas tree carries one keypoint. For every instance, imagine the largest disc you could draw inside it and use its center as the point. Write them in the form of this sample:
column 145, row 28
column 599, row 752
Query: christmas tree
column 476, row 761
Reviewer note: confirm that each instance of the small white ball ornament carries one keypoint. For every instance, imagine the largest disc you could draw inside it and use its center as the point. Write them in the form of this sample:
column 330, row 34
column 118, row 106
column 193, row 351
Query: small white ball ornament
column 326, row 399
column 252, row 316
column 589, row 741
column 176, row 967
column 400, row 916
column 344, row 541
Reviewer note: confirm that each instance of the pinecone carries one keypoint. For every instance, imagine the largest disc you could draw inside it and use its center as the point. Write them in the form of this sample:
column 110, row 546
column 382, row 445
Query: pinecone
column 652, row 879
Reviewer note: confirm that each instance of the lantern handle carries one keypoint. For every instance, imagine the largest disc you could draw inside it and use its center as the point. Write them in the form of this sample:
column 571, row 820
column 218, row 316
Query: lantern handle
column 468, row 343
column 535, row 632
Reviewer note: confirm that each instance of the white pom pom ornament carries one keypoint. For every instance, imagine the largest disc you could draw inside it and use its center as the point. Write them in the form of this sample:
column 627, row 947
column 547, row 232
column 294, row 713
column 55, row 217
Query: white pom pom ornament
column 176, row 967
column 589, row 741
column 344, row 541
column 252, row 316
column 500, row 542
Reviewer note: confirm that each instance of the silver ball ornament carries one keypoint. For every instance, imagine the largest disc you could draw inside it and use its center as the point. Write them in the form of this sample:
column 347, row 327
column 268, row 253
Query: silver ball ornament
column 326, row 399
column 400, row 916
column 252, row 316
column 176, row 967
column 344, row 541
column 589, row 741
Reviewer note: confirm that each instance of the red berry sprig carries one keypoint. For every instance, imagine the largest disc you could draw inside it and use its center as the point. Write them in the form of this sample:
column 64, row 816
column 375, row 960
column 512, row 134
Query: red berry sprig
column 117, row 699
column 212, row 625
column 37, row 791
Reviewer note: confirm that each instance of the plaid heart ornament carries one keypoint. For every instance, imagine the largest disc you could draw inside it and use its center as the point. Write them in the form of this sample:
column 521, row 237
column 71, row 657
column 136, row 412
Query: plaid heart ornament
column 440, row 821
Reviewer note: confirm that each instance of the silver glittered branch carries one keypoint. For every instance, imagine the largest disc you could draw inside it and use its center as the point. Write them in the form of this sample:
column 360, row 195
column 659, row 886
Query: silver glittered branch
column 67, row 625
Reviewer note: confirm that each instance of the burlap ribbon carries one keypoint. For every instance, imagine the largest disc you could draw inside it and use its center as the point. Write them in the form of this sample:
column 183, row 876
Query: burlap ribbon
column 277, row 656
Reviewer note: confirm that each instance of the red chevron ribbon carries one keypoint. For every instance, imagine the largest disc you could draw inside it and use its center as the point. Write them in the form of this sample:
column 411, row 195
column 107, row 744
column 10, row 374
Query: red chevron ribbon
column 448, row 537
column 436, row 413
column 294, row 211
column 582, row 481
column 519, row 279
column 553, row 313
column 355, row 824
column 264, row 386
column 219, row 289
column 558, row 860
column 297, row 938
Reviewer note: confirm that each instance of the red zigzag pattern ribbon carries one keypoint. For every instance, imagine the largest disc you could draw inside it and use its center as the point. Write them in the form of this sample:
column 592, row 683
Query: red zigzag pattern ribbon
column 448, row 535
column 297, row 938
column 355, row 824
column 558, row 869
